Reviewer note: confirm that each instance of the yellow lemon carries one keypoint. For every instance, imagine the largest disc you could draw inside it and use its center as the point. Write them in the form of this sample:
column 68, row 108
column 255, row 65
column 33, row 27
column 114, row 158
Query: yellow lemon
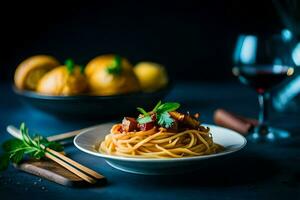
column 111, row 75
column 152, row 76
column 31, row 70
column 60, row 81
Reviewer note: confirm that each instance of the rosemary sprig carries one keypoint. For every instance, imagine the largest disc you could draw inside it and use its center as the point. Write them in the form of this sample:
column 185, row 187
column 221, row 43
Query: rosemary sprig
column 16, row 149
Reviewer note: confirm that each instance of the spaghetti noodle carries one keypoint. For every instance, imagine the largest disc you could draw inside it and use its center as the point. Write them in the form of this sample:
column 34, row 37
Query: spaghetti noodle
column 158, row 142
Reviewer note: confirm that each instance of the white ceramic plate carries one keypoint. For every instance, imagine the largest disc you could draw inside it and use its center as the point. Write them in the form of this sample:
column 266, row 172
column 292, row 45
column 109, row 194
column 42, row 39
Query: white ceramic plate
column 88, row 139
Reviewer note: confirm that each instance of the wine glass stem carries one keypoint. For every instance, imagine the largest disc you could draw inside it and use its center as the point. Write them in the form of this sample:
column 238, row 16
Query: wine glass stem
column 263, row 113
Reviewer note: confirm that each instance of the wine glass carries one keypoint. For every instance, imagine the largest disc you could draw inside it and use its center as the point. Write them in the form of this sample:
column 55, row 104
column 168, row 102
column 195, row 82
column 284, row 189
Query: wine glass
column 262, row 62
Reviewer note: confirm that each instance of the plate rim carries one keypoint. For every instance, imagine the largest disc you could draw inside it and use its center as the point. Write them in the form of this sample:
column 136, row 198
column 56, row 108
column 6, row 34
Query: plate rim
column 132, row 159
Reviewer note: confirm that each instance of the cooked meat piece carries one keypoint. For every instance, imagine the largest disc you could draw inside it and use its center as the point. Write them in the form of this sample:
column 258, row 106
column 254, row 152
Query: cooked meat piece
column 146, row 126
column 186, row 119
column 129, row 124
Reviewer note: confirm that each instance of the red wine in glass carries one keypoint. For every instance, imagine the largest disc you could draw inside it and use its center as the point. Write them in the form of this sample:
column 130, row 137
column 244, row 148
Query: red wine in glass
column 262, row 62
column 264, row 77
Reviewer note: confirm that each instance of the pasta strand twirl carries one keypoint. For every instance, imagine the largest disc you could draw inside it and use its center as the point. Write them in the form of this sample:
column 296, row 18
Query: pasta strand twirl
column 158, row 143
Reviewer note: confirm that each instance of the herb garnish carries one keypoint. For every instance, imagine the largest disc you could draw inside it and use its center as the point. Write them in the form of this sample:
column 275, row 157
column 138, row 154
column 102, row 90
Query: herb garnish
column 16, row 149
column 70, row 65
column 144, row 120
column 162, row 114
column 116, row 67
column 146, row 116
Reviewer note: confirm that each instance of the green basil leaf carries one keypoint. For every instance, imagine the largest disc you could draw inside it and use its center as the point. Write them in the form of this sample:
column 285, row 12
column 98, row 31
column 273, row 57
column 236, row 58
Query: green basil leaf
column 141, row 110
column 144, row 120
column 168, row 107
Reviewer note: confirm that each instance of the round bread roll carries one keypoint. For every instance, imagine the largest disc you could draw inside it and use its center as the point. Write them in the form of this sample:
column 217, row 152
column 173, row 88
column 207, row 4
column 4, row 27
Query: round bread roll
column 152, row 76
column 60, row 81
column 107, row 80
column 31, row 70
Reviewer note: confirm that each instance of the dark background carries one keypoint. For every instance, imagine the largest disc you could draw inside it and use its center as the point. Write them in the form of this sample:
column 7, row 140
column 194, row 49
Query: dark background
column 194, row 39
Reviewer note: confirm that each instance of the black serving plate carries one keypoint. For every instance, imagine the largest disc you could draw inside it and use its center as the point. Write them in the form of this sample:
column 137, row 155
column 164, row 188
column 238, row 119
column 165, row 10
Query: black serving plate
column 91, row 107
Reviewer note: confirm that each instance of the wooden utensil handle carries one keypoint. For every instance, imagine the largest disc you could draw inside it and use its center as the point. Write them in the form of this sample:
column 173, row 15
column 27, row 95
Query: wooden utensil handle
column 70, row 168
column 76, row 164
column 64, row 136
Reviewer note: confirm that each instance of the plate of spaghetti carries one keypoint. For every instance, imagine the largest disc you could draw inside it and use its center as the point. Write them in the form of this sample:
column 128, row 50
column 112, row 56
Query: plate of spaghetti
column 160, row 141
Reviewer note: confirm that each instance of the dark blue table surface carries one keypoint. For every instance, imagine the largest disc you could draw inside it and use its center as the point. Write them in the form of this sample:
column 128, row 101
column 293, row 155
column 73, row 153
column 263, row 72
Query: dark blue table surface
column 260, row 171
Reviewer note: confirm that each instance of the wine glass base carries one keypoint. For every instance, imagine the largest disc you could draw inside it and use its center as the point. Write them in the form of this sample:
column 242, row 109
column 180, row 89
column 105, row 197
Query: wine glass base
column 272, row 135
